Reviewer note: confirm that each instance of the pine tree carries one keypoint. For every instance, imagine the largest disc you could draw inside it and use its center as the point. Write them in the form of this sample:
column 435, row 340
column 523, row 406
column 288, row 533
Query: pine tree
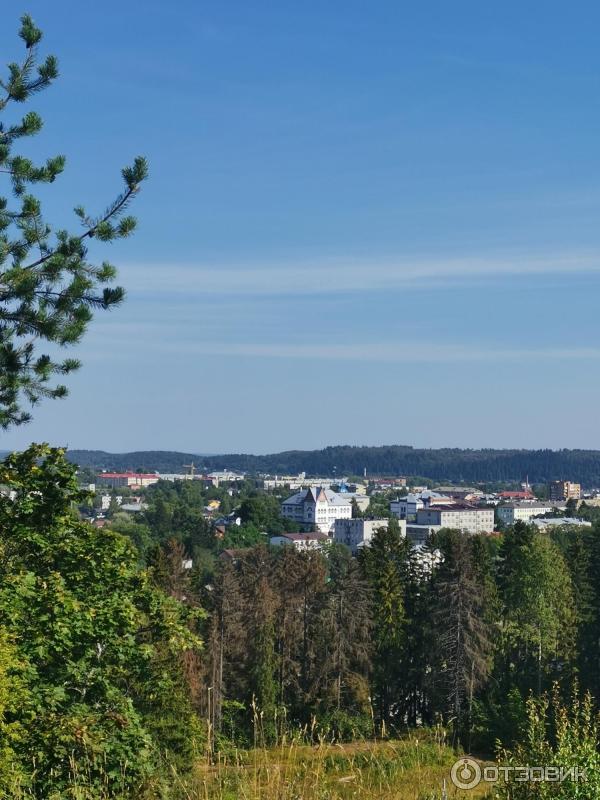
column 49, row 286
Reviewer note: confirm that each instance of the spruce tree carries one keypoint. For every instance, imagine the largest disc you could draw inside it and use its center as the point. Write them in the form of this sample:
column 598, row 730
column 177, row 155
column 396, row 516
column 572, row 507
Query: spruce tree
column 385, row 566
column 49, row 284
column 538, row 623
column 462, row 656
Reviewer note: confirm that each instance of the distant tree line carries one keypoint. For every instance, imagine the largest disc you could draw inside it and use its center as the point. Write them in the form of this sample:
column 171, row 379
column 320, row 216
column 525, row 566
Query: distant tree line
column 453, row 465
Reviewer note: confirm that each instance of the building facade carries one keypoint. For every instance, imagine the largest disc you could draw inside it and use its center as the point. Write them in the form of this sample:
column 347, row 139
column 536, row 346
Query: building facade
column 564, row 490
column 524, row 512
column 356, row 533
column 319, row 507
column 408, row 507
column 132, row 480
column 460, row 516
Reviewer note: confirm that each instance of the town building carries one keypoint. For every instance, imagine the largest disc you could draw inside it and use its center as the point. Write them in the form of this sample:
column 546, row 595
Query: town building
column 277, row 481
column 131, row 480
column 301, row 541
column 564, row 490
column 520, row 496
column 407, row 507
column 356, row 533
column 179, row 476
column 466, row 493
column 418, row 535
column 319, row 507
column 382, row 482
column 525, row 512
column 460, row 516
column 222, row 476
column 133, row 507
column 362, row 501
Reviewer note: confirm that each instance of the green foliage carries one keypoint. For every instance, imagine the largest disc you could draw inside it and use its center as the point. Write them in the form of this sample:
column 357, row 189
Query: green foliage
column 444, row 464
column 538, row 624
column 561, row 735
column 96, row 668
column 50, row 286
column 385, row 566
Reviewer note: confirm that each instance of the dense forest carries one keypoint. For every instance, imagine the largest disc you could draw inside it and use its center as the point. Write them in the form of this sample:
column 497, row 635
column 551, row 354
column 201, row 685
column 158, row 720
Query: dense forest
column 457, row 465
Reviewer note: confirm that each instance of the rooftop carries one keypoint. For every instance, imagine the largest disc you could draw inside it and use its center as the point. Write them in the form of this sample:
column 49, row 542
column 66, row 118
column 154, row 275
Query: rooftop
column 453, row 507
column 128, row 475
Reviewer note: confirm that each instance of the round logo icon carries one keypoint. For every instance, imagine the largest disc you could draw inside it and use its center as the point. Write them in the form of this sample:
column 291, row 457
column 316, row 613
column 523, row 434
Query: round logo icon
column 466, row 774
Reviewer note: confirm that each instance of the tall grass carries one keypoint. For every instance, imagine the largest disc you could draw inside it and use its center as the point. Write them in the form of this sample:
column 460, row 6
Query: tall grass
column 414, row 768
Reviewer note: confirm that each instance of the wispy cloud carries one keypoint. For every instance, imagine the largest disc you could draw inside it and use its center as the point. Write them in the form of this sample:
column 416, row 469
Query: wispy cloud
column 388, row 352
column 341, row 275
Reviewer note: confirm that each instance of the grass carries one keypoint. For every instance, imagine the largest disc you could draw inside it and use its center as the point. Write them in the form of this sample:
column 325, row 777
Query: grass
column 407, row 769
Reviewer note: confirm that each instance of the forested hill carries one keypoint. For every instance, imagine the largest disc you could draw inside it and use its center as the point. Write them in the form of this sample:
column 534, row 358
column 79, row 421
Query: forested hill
column 444, row 464
column 142, row 461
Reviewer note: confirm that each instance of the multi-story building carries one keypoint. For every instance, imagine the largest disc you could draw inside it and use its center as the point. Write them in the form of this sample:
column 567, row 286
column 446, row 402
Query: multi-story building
column 460, row 516
column 525, row 512
column 564, row 490
column 132, row 480
column 419, row 534
column 356, row 533
column 319, row 507
column 408, row 507
column 222, row 476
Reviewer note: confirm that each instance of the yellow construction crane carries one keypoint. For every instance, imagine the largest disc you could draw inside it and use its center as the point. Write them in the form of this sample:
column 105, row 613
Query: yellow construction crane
column 191, row 467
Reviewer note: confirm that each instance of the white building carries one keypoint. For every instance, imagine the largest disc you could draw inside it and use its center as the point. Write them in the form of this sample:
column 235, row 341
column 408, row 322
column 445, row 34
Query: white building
column 292, row 481
column 319, row 507
column 105, row 500
column 132, row 480
column 222, row 476
column 363, row 501
column 407, row 507
column 459, row 516
column 356, row 533
column 525, row 512
column 301, row 541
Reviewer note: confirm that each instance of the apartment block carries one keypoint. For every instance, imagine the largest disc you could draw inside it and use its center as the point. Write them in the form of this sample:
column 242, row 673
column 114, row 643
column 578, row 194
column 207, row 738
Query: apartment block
column 356, row 533
column 525, row 512
column 460, row 516
column 564, row 490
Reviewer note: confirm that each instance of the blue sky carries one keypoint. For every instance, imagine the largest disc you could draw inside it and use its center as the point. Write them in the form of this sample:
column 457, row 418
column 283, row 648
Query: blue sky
column 366, row 222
